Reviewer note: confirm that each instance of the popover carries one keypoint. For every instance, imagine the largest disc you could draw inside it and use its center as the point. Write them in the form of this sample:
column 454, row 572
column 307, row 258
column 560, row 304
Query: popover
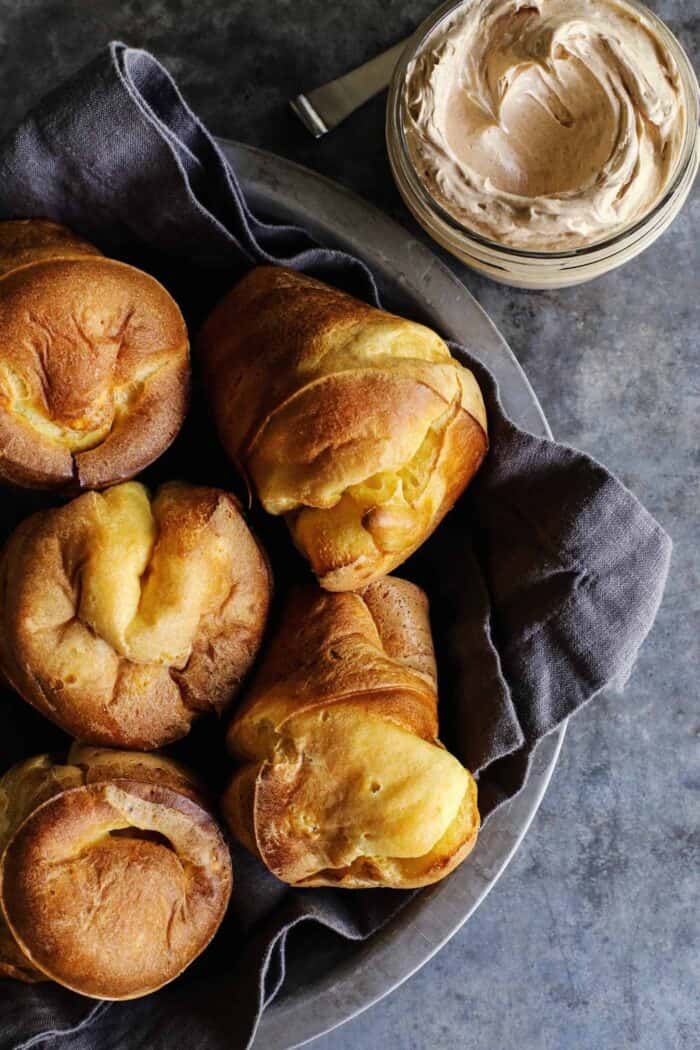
column 124, row 616
column 94, row 362
column 359, row 427
column 342, row 779
column 114, row 874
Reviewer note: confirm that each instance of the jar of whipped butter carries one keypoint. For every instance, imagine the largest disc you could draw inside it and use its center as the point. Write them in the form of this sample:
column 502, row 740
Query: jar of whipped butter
column 544, row 142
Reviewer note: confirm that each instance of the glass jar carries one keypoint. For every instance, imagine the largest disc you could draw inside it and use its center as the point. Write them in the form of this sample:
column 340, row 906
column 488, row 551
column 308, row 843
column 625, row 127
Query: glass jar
column 538, row 269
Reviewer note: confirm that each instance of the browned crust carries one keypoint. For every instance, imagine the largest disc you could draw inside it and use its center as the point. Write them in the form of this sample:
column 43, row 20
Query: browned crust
column 78, row 330
column 26, row 241
column 311, row 389
column 253, row 341
column 331, row 647
column 127, row 704
column 97, row 764
column 370, row 654
column 156, row 418
column 112, row 889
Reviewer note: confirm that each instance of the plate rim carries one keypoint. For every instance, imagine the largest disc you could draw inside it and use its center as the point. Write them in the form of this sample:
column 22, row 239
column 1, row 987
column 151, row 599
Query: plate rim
column 285, row 1024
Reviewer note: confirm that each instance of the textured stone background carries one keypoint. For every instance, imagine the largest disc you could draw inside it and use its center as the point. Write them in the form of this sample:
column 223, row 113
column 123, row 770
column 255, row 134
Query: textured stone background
column 590, row 939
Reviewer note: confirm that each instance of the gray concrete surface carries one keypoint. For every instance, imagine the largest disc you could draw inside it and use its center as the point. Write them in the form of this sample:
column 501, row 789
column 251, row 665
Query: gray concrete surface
column 589, row 942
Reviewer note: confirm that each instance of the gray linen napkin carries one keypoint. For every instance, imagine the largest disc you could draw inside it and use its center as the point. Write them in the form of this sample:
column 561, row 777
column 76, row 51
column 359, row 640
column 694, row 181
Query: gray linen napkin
column 544, row 580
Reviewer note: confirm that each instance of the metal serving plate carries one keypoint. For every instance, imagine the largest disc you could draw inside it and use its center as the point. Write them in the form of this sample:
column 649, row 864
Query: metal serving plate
column 330, row 979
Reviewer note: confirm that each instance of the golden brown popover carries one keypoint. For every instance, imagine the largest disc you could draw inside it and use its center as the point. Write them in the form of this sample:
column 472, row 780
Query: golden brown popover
column 124, row 616
column 114, row 875
column 356, row 425
column 344, row 782
column 94, row 362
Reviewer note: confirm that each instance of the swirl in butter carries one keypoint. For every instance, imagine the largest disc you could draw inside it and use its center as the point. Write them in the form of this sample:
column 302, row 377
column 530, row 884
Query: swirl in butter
column 546, row 124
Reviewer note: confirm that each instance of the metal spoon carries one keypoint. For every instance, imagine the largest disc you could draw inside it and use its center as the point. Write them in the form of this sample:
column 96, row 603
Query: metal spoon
column 325, row 107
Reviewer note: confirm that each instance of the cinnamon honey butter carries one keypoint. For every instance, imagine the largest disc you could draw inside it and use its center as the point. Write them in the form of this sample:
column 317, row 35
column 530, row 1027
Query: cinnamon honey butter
column 545, row 125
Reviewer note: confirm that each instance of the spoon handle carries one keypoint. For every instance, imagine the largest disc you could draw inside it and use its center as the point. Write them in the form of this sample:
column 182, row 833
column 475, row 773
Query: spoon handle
column 325, row 107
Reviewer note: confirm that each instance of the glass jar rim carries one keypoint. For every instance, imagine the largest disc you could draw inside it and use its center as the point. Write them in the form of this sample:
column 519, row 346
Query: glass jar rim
column 395, row 129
